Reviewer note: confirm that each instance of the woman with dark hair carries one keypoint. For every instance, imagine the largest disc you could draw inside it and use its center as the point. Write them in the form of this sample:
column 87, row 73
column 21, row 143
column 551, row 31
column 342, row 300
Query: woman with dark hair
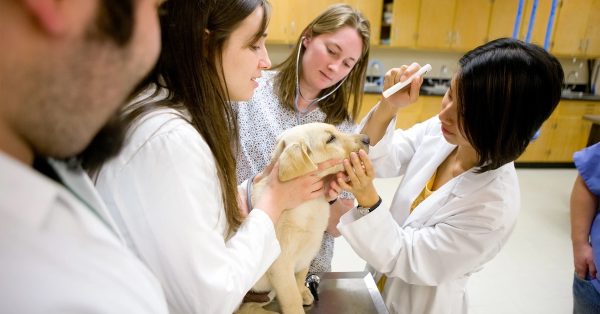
column 314, row 84
column 172, row 190
column 458, row 201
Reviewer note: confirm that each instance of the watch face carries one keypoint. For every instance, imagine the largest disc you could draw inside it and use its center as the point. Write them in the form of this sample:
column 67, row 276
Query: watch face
column 362, row 210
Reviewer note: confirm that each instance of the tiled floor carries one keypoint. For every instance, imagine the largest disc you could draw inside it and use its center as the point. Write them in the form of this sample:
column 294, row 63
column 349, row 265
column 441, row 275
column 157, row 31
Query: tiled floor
column 533, row 273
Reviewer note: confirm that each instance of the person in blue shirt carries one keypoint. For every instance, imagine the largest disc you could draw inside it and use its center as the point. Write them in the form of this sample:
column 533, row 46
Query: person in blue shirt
column 585, row 230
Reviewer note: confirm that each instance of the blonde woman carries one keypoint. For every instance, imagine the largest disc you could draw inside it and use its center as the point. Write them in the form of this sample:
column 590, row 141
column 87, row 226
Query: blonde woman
column 314, row 84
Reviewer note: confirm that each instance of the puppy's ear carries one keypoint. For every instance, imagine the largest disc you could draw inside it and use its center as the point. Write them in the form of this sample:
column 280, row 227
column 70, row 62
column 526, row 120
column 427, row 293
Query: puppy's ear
column 294, row 162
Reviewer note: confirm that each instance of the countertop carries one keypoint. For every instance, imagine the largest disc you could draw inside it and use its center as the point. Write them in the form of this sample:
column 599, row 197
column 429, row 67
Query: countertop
column 345, row 292
column 570, row 96
column 594, row 118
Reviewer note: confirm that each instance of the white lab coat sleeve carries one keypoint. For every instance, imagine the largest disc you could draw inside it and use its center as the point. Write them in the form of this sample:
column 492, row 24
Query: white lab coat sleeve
column 396, row 147
column 471, row 233
column 171, row 187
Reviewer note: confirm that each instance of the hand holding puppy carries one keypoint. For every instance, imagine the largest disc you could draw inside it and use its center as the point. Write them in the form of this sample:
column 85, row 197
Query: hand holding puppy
column 359, row 179
column 279, row 196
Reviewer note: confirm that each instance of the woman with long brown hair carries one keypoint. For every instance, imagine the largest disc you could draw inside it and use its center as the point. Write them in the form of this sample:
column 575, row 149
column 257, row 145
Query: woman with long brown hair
column 172, row 190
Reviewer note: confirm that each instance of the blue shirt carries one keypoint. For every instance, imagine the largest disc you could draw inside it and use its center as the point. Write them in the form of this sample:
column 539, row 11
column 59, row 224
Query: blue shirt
column 587, row 162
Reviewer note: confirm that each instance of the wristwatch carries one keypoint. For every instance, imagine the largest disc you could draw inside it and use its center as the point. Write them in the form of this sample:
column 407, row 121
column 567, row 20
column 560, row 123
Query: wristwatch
column 365, row 210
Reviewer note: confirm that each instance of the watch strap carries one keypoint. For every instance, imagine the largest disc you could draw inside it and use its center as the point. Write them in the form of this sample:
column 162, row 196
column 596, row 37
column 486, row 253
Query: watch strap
column 366, row 210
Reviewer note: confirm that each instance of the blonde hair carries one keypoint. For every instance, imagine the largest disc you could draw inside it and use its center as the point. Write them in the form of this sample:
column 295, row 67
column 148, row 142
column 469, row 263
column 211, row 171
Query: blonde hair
column 335, row 106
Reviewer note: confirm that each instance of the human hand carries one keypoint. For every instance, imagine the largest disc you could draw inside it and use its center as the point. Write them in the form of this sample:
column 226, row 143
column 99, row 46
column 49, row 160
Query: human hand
column 407, row 95
column 359, row 179
column 331, row 188
column 584, row 260
column 336, row 210
column 279, row 196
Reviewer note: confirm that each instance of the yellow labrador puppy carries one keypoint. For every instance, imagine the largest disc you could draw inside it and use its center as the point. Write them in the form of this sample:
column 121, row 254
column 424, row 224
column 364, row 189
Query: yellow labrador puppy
column 300, row 230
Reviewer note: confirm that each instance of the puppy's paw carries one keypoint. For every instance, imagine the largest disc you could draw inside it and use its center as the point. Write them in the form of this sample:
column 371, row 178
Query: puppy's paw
column 253, row 308
column 307, row 297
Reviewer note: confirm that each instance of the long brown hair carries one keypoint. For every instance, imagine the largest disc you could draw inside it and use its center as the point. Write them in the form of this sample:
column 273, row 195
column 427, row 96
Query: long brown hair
column 193, row 37
column 336, row 105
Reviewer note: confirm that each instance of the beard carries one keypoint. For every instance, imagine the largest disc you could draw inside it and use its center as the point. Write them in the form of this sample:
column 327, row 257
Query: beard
column 105, row 145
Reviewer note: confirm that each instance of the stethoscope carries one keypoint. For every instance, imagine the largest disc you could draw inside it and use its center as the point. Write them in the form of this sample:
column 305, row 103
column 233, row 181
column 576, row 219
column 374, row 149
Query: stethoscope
column 313, row 102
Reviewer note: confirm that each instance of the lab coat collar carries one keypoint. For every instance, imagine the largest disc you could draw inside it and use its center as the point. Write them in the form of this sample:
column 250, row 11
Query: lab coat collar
column 427, row 165
column 464, row 184
column 30, row 197
column 25, row 194
column 77, row 181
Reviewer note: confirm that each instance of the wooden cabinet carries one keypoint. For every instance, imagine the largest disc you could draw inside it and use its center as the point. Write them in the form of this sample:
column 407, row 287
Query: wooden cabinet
column 279, row 27
column 435, row 24
column 502, row 19
column 453, row 24
column 571, row 131
column 592, row 47
column 540, row 22
column 405, row 20
column 372, row 10
column 564, row 133
column 425, row 108
column 290, row 17
column 539, row 149
column 577, row 29
column 471, row 23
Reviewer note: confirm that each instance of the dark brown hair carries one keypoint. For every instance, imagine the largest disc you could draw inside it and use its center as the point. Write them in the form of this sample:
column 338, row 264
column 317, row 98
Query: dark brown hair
column 336, row 105
column 115, row 20
column 193, row 37
column 505, row 90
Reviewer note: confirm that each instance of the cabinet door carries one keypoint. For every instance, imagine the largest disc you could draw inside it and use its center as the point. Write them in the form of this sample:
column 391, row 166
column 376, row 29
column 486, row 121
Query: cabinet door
column 404, row 24
column 502, row 19
column 279, row 23
column 571, row 131
column 435, row 24
column 409, row 115
column 431, row 106
column 304, row 12
column 372, row 10
column 568, row 138
column 540, row 21
column 571, row 25
column 538, row 150
column 301, row 13
column 368, row 102
column 593, row 31
column 471, row 23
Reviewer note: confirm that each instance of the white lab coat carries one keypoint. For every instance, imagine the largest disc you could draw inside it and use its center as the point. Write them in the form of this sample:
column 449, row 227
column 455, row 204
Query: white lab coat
column 164, row 194
column 57, row 256
column 430, row 254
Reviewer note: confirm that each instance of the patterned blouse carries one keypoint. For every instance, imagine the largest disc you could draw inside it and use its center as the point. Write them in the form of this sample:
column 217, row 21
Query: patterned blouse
column 261, row 120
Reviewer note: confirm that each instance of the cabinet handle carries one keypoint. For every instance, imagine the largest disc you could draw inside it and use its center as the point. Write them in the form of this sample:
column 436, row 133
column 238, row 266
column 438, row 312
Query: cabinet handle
column 292, row 27
column 587, row 44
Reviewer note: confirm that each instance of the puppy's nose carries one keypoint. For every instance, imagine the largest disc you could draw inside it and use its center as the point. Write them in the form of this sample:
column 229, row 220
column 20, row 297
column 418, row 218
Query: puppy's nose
column 365, row 139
